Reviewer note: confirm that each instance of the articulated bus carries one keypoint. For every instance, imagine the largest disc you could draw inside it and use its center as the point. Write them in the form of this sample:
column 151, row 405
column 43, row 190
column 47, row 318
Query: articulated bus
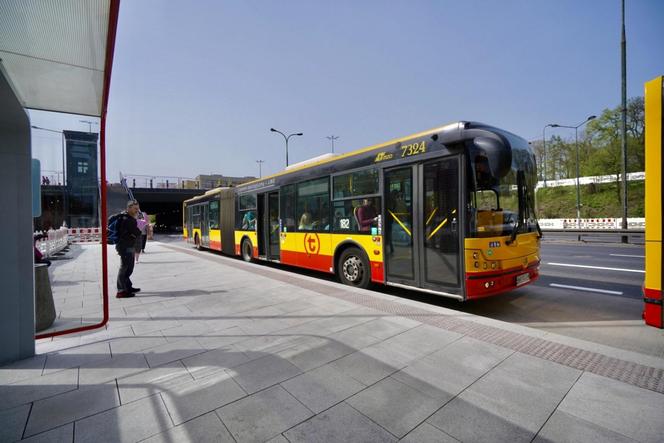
column 449, row 211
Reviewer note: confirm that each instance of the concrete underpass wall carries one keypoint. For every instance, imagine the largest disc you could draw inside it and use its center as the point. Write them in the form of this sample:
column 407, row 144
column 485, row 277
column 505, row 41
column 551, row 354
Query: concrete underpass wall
column 17, row 312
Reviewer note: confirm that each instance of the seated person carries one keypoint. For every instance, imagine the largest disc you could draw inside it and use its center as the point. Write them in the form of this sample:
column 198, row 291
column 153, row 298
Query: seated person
column 305, row 221
column 249, row 220
column 366, row 215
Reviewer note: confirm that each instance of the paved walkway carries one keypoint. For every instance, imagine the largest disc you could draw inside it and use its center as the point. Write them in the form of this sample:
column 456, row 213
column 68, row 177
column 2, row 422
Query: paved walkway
column 214, row 349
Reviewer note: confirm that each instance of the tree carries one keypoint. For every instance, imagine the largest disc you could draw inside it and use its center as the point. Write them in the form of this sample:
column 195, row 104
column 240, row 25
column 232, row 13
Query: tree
column 604, row 137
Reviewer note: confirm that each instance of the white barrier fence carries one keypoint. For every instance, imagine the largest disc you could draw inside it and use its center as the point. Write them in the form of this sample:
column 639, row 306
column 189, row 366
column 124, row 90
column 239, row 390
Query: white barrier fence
column 591, row 223
column 84, row 235
column 55, row 241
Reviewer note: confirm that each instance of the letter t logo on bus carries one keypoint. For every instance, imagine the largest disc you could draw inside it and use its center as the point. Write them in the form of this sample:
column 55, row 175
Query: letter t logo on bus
column 311, row 244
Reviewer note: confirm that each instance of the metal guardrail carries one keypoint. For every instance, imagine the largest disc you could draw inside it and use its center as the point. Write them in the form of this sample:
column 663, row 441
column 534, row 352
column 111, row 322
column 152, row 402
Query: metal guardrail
column 596, row 231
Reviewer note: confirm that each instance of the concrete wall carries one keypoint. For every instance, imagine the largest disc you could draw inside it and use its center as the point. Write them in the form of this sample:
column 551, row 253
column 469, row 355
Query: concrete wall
column 17, row 313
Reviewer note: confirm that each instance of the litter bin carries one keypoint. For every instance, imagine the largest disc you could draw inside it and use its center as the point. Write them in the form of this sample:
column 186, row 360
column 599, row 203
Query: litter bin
column 44, row 306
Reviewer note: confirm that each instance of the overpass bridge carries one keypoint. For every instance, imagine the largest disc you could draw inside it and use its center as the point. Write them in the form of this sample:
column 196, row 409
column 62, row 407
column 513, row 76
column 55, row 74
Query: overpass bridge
column 164, row 203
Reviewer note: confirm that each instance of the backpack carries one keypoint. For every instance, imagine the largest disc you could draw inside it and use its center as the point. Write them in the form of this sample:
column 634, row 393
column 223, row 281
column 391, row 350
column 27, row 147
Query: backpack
column 114, row 222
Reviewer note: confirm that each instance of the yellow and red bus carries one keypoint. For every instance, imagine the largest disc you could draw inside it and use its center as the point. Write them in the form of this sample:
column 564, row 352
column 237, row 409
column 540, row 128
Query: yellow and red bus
column 449, row 211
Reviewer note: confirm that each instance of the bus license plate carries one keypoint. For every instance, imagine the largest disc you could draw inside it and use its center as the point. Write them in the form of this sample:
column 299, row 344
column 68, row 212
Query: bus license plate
column 522, row 279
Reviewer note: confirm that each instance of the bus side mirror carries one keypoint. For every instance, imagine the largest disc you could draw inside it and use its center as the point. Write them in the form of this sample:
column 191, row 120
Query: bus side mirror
column 498, row 155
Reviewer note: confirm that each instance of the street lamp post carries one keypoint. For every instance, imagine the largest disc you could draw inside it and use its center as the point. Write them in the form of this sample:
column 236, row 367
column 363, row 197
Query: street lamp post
column 544, row 148
column 576, row 142
column 332, row 138
column 64, row 193
column 286, row 137
column 260, row 168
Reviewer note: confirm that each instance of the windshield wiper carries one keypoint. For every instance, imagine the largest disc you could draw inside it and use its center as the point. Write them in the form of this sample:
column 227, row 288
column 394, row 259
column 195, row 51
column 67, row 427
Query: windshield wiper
column 515, row 231
column 521, row 198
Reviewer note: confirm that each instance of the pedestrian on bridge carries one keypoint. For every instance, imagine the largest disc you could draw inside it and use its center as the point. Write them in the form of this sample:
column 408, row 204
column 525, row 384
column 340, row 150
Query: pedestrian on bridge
column 128, row 234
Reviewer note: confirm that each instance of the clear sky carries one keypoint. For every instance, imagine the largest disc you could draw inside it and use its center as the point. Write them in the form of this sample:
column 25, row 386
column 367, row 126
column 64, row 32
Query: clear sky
column 197, row 85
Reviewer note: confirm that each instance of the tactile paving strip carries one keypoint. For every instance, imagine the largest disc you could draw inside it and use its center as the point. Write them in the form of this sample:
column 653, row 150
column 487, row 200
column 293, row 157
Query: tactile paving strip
column 625, row 371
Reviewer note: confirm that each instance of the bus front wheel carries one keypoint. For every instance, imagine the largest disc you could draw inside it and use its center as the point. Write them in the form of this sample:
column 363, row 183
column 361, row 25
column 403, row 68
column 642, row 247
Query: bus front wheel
column 353, row 268
column 247, row 250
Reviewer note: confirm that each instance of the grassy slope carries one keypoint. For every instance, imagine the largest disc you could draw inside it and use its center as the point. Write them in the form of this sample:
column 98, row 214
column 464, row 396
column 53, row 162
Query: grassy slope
column 597, row 200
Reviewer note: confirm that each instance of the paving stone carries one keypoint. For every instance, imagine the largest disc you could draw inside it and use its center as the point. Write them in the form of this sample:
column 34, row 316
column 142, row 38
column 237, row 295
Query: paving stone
column 217, row 338
column 446, row 373
column 77, row 356
column 128, row 345
column 64, row 408
column 263, row 372
column 214, row 361
column 627, row 410
column 422, row 340
column 63, row 434
column 312, row 352
column 26, row 391
column 562, row 427
column 263, row 415
column 363, row 368
column 383, row 328
column 12, row 422
column 23, row 369
column 121, row 365
column 207, row 428
column 188, row 328
column 340, row 424
column 512, row 401
column 169, row 352
column 322, row 387
column 278, row 439
column 395, row 406
column 469, row 422
column 127, row 423
column 425, row 433
column 152, row 381
column 193, row 398
column 348, row 319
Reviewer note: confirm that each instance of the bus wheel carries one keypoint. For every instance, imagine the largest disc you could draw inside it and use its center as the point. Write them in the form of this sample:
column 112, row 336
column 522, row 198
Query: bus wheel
column 247, row 250
column 353, row 268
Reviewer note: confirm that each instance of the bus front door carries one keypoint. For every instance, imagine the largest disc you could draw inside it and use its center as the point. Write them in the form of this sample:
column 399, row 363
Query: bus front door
column 421, row 246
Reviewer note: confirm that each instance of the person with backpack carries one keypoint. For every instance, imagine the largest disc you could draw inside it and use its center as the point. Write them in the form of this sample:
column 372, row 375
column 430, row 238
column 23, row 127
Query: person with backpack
column 123, row 231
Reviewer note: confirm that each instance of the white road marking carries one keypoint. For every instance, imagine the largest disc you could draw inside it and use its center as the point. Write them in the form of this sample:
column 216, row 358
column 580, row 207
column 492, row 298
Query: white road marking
column 580, row 288
column 627, row 255
column 597, row 267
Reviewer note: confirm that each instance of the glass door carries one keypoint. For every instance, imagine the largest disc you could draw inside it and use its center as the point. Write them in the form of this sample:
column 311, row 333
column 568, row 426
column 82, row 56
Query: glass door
column 422, row 222
column 205, row 225
column 440, row 218
column 399, row 248
column 273, row 225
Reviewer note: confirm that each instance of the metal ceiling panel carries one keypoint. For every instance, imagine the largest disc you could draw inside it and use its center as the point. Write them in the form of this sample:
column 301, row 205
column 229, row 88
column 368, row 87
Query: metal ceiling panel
column 53, row 52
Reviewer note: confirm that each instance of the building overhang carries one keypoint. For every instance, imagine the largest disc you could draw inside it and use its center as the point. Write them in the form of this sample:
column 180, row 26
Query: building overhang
column 57, row 55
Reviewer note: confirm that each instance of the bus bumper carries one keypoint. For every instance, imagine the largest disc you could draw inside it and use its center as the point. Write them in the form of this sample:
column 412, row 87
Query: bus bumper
column 485, row 285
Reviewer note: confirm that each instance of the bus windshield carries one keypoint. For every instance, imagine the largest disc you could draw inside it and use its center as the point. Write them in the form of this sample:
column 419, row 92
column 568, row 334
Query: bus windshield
column 503, row 204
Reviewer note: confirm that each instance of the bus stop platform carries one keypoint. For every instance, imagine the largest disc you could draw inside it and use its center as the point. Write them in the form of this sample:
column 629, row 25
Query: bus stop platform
column 215, row 349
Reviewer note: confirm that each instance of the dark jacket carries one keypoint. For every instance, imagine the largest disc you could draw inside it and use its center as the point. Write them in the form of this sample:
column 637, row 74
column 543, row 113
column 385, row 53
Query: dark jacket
column 128, row 232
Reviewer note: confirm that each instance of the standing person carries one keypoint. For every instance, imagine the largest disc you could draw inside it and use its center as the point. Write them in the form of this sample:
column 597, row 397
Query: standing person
column 144, row 231
column 141, row 223
column 128, row 233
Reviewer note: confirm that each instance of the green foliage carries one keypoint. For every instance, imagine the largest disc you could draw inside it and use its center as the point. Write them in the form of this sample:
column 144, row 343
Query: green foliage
column 599, row 150
column 597, row 200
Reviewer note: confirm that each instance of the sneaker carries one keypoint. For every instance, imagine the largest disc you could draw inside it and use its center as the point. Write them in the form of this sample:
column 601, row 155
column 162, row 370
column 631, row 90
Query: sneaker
column 124, row 294
column 135, row 290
